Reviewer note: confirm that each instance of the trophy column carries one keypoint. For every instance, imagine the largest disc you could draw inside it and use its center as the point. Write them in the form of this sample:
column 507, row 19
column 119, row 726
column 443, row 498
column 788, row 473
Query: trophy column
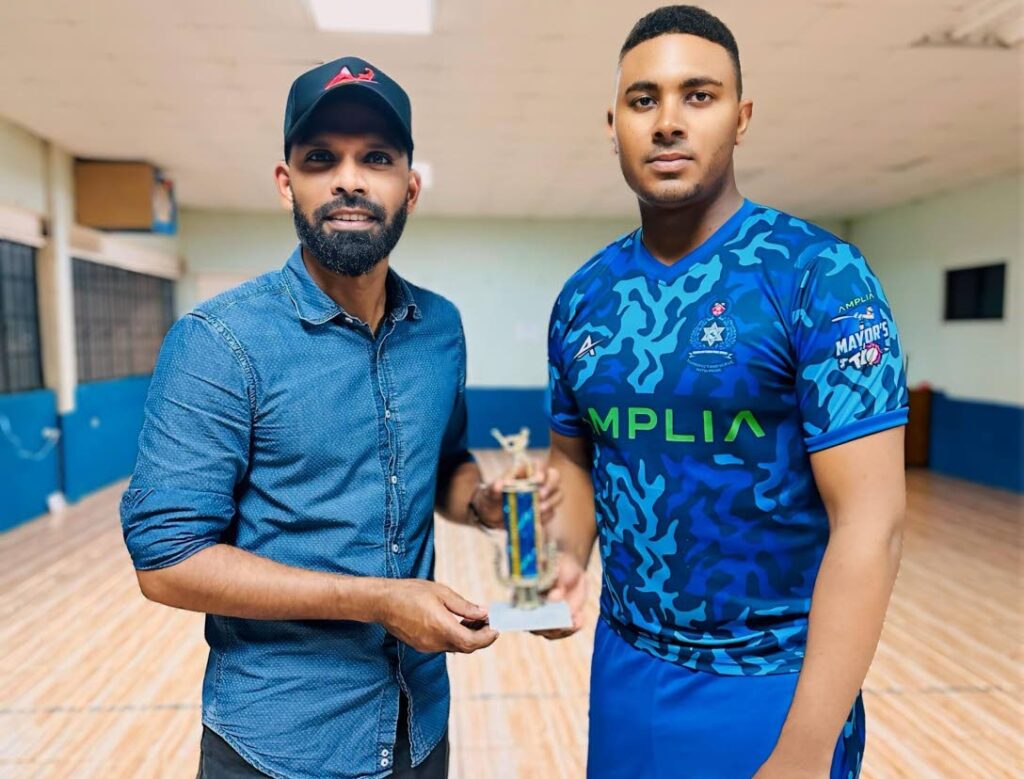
column 527, row 561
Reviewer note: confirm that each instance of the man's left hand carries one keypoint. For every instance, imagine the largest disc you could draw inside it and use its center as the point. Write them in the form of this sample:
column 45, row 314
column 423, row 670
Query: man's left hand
column 487, row 499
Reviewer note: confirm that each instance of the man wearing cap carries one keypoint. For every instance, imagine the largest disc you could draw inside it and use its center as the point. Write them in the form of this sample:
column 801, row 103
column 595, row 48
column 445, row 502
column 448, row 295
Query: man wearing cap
column 300, row 432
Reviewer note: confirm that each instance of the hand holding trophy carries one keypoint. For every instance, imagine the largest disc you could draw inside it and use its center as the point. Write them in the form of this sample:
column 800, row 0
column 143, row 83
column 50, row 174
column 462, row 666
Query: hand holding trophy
column 527, row 560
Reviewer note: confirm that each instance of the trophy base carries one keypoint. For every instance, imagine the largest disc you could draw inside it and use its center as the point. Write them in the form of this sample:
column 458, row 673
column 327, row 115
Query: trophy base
column 549, row 616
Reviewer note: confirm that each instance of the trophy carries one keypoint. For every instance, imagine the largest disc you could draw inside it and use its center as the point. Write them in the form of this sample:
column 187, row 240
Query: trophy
column 527, row 561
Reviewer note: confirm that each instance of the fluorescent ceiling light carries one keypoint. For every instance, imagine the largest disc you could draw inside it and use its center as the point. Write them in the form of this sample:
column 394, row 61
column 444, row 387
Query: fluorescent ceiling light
column 426, row 171
column 401, row 17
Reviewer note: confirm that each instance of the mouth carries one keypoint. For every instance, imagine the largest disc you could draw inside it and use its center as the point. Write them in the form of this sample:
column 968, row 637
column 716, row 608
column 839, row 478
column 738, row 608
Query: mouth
column 670, row 162
column 350, row 219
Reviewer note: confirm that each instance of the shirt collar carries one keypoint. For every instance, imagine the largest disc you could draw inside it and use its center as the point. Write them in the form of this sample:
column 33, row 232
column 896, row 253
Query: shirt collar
column 316, row 307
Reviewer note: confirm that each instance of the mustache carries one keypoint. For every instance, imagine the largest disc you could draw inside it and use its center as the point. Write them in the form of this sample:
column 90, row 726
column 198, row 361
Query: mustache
column 670, row 148
column 350, row 201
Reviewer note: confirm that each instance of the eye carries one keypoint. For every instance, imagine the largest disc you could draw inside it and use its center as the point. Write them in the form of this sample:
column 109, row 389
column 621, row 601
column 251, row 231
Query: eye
column 701, row 97
column 643, row 101
column 319, row 155
column 378, row 158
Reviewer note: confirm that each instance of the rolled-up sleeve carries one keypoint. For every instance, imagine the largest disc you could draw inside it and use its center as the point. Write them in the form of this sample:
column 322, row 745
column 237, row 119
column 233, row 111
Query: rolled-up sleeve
column 194, row 445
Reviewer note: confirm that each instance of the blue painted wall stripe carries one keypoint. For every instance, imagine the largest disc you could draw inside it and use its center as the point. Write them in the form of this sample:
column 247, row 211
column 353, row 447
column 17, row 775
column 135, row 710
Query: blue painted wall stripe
column 508, row 410
column 29, row 462
column 978, row 441
column 101, row 436
column 972, row 440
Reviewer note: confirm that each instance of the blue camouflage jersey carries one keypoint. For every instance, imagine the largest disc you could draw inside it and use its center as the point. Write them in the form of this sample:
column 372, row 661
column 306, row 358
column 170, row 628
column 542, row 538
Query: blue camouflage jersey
column 705, row 386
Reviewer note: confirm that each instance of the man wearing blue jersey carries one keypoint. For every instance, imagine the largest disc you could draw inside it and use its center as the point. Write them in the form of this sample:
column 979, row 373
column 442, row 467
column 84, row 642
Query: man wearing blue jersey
column 727, row 403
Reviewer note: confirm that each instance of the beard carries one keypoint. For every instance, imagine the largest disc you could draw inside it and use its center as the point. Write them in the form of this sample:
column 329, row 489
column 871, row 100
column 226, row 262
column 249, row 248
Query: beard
column 352, row 252
column 672, row 194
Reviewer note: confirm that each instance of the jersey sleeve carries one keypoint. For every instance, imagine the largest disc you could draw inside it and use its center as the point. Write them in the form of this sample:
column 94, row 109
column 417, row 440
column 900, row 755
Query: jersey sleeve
column 850, row 377
column 563, row 413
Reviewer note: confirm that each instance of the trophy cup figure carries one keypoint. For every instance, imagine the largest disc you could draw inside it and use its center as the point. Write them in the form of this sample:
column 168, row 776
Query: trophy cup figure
column 527, row 561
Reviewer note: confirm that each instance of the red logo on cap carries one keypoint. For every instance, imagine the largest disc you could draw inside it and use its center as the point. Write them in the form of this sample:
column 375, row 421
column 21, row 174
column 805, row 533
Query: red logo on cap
column 345, row 77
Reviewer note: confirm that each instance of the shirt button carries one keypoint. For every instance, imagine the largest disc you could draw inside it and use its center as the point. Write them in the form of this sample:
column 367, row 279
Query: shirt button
column 395, row 548
column 383, row 753
column 383, row 762
column 394, row 479
column 387, row 413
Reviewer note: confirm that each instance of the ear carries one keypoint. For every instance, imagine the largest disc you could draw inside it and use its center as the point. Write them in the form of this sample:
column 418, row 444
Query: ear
column 610, row 129
column 283, row 180
column 412, row 194
column 743, row 118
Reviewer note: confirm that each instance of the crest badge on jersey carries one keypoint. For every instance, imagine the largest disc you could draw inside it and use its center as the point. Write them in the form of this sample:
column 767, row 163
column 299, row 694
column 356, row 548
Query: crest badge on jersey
column 712, row 340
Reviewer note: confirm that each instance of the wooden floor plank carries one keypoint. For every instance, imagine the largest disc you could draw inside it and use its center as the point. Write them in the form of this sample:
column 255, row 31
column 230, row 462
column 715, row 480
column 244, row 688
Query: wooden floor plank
column 96, row 681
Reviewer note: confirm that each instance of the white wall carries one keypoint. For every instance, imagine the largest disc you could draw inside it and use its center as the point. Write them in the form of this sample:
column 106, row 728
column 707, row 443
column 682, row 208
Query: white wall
column 22, row 169
column 911, row 246
column 223, row 248
column 503, row 274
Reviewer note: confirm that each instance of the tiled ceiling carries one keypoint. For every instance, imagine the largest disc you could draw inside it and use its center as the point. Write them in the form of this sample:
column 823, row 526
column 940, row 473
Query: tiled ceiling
column 509, row 97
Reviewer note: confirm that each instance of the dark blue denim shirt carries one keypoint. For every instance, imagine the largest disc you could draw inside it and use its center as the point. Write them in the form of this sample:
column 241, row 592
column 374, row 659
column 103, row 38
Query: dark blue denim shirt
column 279, row 424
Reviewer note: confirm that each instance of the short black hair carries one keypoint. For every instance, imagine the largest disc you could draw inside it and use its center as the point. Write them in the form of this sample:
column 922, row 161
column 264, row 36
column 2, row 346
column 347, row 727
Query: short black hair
column 684, row 20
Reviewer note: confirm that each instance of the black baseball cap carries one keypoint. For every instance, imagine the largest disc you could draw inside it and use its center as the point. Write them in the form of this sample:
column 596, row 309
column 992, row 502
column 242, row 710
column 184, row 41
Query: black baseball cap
column 347, row 78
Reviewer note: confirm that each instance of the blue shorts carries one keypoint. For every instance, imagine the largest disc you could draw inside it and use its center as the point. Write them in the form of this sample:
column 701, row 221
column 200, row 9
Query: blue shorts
column 653, row 719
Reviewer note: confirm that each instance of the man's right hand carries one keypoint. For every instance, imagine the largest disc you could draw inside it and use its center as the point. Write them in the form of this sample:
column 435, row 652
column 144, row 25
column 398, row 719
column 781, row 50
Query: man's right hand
column 428, row 617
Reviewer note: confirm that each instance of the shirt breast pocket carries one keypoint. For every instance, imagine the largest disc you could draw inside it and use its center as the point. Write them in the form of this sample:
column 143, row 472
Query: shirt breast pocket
column 428, row 402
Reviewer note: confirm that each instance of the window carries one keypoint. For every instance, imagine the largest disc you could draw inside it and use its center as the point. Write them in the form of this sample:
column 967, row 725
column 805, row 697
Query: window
column 975, row 293
column 20, row 360
column 121, row 318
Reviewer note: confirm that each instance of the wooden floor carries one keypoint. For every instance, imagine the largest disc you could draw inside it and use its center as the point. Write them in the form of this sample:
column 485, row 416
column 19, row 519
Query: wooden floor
column 97, row 682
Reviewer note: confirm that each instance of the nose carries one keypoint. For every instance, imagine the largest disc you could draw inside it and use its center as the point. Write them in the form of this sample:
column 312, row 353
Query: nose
column 670, row 126
column 348, row 179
